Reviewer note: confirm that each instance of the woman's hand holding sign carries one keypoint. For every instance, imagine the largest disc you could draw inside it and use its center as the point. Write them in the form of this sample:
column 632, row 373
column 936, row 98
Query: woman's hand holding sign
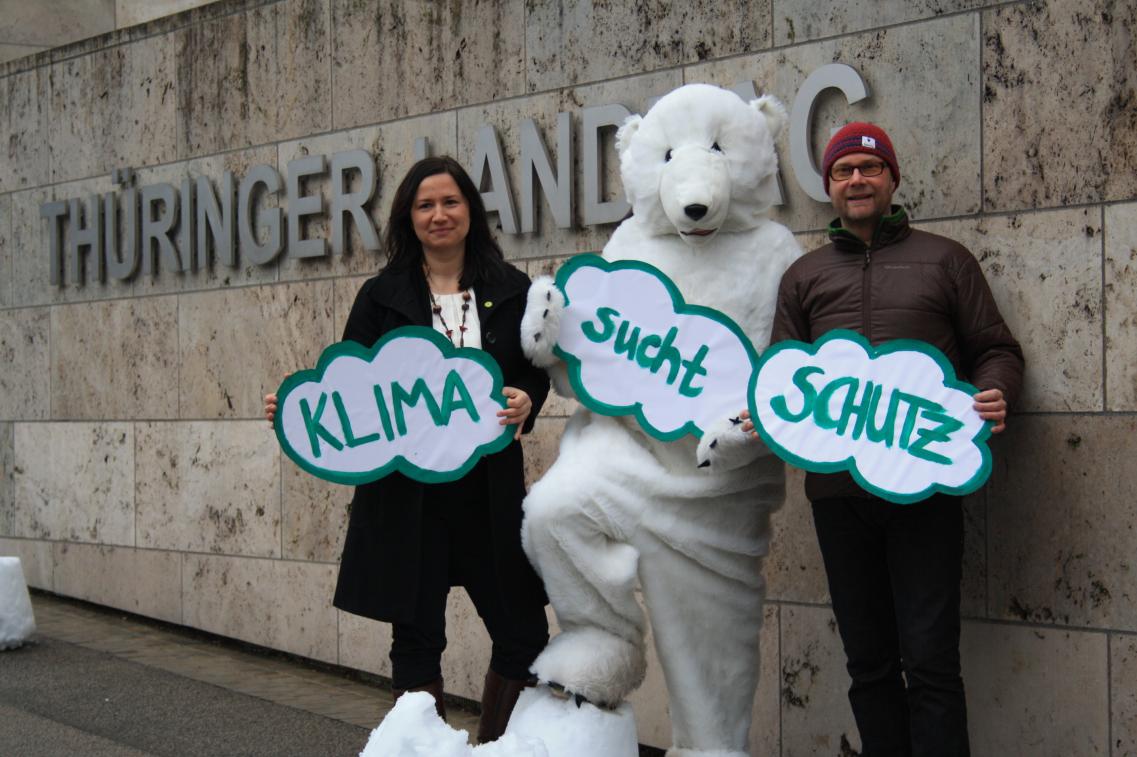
column 518, row 406
column 270, row 408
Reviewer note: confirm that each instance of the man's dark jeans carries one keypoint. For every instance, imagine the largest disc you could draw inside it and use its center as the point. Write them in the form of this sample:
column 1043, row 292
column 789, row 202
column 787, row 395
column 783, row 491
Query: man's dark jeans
column 894, row 573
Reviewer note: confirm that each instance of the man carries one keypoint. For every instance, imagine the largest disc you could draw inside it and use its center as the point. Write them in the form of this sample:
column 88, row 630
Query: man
column 894, row 570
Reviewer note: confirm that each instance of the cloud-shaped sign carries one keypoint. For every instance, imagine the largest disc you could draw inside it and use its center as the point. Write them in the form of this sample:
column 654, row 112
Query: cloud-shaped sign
column 895, row 416
column 634, row 347
column 412, row 403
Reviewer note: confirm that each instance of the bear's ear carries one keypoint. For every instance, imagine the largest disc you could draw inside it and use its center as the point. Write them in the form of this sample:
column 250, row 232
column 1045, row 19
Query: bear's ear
column 626, row 131
column 775, row 113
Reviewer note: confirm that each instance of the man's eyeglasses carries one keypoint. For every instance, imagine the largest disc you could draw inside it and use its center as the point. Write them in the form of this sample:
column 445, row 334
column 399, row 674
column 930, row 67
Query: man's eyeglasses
column 845, row 172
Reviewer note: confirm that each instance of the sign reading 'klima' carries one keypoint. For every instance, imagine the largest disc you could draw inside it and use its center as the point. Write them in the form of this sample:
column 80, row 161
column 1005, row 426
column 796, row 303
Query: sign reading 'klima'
column 633, row 346
column 413, row 403
column 894, row 416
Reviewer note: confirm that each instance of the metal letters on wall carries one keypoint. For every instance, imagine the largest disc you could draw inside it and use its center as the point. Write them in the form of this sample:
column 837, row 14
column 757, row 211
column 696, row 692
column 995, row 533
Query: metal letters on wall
column 162, row 228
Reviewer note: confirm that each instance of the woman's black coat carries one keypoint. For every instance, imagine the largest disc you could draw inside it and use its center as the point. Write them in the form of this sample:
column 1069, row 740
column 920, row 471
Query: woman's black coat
column 382, row 551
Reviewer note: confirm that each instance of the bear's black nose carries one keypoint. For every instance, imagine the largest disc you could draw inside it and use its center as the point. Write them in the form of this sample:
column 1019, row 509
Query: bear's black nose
column 695, row 211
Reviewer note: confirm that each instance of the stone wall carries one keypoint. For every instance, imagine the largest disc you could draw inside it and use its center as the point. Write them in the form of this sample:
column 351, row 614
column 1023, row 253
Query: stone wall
column 136, row 471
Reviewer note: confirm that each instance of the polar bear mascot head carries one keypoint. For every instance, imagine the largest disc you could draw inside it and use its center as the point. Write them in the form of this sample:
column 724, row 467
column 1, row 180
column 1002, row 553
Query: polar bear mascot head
column 701, row 162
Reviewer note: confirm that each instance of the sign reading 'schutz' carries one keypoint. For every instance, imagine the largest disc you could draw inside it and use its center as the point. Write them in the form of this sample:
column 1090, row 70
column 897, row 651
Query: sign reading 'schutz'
column 894, row 416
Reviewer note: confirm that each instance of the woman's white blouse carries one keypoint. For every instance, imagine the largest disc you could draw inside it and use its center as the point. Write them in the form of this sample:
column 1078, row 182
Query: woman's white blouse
column 451, row 305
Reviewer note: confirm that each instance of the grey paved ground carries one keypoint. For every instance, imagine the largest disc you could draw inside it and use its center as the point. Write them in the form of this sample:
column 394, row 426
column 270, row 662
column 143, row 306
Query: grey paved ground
column 57, row 698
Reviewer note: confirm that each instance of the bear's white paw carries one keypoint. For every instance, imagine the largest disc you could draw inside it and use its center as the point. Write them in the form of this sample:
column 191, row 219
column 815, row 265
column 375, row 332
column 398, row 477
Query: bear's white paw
column 594, row 664
column 541, row 324
column 725, row 446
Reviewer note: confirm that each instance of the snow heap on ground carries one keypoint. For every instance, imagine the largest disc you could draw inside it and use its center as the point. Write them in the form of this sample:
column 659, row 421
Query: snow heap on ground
column 542, row 726
column 16, row 621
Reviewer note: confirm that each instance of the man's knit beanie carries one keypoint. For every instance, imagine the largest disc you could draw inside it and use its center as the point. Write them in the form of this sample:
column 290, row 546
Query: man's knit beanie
column 859, row 137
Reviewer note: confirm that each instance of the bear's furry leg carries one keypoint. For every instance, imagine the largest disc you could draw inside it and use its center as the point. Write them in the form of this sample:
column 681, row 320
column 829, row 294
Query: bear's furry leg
column 573, row 537
column 705, row 603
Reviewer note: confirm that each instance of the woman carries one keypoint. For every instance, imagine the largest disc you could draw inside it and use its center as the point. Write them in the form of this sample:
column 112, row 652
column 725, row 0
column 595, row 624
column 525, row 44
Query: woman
column 407, row 543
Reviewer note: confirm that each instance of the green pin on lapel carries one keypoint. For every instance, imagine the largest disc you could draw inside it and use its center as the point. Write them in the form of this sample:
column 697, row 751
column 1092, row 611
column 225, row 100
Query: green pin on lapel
column 488, row 304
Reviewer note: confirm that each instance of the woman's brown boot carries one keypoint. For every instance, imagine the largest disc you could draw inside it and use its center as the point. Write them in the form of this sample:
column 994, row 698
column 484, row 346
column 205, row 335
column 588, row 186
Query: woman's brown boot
column 499, row 695
column 434, row 688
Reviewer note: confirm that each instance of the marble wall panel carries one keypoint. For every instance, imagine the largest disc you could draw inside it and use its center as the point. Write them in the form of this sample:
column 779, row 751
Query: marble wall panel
column 800, row 20
column 794, row 570
column 74, row 482
column 343, row 295
column 541, row 446
column 548, row 240
column 1123, row 693
column 364, row 644
column 398, row 58
column 213, row 274
column 25, row 105
column 154, row 588
column 275, row 603
column 7, row 487
column 765, row 732
column 932, row 118
column 392, row 146
column 1082, row 58
column 313, row 515
column 208, row 487
column 55, row 23
column 1063, row 501
column 6, row 247
column 113, row 108
column 36, row 560
column 816, row 719
column 25, row 354
column 571, row 42
column 253, row 77
column 1120, row 230
column 133, row 12
column 1045, row 272
column 1035, row 690
column 16, row 52
column 30, row 251
column 115, row 359
column 275, row 331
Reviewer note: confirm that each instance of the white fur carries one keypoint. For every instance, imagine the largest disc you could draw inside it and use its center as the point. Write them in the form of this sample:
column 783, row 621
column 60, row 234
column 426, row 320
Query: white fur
column 618, row 508
column 541, row 324
column 609, row 666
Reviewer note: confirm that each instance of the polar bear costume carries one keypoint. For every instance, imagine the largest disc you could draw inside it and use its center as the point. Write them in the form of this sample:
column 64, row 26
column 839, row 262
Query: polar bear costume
column 688, row 519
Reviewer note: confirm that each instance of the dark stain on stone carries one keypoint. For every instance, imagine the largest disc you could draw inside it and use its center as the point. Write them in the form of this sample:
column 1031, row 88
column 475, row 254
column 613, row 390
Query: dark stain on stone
column 847, row 748
column 793, row 671
column 1073, row 440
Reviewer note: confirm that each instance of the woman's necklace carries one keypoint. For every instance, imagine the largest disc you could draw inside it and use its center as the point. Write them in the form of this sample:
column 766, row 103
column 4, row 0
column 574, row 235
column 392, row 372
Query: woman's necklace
column 437, row 310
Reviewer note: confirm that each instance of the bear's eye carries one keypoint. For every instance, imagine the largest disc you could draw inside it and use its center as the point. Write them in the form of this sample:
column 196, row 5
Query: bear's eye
column 716, row 147
column 667, row 157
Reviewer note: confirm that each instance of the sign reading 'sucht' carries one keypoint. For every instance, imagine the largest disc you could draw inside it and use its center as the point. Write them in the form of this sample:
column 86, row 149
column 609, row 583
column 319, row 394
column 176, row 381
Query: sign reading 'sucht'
column 895, row 416
column 413, row 403
column 633, row 346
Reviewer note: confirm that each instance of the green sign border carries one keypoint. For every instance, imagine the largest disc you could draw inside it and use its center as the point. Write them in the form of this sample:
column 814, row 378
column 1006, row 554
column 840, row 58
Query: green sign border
column 680, row 307
column 397, row 463
column 850, row 463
